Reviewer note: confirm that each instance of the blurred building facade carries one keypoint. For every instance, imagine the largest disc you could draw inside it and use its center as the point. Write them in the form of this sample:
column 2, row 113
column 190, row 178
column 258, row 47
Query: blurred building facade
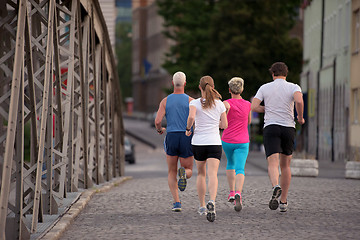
column 327, row 79
column 355, row 82
column 123, row 8
column 109, row 12
column 149, row 79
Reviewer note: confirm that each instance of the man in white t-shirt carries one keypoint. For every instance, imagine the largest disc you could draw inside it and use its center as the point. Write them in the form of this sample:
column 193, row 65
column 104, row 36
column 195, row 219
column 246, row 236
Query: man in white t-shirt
column 279, row 97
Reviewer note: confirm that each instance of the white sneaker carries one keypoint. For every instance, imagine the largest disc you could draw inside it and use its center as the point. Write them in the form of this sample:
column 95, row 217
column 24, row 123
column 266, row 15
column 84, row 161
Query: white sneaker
column 211, row 211
column 202, row 210
column 283, row 206
column 274, row 204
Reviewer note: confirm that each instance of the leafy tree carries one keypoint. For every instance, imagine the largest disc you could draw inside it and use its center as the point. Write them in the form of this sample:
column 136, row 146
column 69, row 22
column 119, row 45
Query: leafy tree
column 225, row 38
column 187, row 24
column 123, row 53
column 247, row 37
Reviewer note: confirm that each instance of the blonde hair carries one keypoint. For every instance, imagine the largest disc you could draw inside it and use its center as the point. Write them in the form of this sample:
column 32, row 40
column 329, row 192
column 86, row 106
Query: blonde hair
column 179, row 79
column 236, row 85
column 207, row 85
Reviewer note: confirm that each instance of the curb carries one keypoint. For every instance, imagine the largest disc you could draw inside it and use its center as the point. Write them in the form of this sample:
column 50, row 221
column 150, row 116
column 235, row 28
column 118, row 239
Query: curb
column 352, row 170
column 141, row 139
column 67, row 218
column 304, row 167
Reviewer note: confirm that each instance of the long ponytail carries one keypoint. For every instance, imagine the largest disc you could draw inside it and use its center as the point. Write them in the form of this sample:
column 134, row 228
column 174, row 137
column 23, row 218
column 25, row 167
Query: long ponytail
column 207, row 85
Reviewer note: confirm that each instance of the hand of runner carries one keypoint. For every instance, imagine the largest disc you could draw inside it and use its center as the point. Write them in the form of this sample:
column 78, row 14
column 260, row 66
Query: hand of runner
column 161, row 131
column 188, row 133
column 300, row 120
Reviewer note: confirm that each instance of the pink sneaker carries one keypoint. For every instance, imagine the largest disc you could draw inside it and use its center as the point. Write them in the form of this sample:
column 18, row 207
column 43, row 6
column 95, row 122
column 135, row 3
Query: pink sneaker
column 238, row 202
column 231, row 197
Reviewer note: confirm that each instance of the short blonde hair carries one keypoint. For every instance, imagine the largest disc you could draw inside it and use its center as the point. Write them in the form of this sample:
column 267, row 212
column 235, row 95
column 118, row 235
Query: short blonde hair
column 179, row 79
column 236, row 85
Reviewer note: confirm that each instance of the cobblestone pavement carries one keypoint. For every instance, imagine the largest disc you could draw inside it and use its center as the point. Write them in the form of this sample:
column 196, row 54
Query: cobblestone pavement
column 326, row 207
column 319, row 208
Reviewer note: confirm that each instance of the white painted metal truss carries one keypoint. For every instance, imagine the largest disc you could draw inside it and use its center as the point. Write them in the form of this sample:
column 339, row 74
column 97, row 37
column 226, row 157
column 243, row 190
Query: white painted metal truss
column 57, row 78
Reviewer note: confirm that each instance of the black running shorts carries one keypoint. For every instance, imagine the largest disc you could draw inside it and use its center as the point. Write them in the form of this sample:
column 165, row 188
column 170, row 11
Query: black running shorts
column 279, row 139
column 203, row 152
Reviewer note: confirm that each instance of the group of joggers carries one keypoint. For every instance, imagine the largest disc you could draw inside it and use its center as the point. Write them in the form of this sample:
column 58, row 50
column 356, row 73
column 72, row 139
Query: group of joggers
column 193, row 133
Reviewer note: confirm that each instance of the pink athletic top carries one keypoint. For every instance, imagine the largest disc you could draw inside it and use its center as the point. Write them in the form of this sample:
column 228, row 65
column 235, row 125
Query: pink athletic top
column 238, row 118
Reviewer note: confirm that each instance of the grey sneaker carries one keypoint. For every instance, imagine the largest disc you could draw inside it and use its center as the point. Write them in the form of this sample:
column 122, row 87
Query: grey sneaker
column 274, row 204
column 238, row 202
column 283, row 206
column 202, row 210
column 211, row 211
column 182, row 179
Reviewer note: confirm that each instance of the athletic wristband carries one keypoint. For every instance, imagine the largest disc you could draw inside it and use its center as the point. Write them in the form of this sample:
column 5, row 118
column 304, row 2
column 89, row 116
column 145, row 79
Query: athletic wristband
column 188, row 129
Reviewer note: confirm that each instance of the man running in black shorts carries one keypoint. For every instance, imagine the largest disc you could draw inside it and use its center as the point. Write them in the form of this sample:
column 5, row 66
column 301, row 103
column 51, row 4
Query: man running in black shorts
column 279, row 128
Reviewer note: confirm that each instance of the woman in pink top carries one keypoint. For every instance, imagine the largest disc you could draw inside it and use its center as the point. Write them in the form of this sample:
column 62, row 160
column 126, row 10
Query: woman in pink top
column 235, row 140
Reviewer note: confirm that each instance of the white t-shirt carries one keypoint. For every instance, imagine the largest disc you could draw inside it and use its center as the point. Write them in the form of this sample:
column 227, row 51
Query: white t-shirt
column 207, row 123
column 278, row 97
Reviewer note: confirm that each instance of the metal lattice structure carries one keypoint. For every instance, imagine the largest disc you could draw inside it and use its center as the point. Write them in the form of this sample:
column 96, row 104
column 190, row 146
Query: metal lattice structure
column 60, row 129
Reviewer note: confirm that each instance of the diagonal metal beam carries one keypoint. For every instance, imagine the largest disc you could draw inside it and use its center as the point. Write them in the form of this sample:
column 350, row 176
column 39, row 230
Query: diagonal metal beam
column 44, row 113
column 12, row 122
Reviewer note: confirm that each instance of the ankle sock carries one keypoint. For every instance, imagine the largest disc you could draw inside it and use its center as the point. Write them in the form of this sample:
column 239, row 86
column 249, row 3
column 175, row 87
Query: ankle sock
column 238, row 192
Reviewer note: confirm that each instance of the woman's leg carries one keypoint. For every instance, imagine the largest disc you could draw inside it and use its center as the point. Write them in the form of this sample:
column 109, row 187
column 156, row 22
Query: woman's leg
column 230, row 174
column 201, row 181
column 240, row 179
column 240, row 154
column 230, row 164
column 213, row 167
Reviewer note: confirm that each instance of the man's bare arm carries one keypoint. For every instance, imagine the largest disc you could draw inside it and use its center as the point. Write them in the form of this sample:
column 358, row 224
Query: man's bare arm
column 256, row 107
column 299, row 106
column 159, row 116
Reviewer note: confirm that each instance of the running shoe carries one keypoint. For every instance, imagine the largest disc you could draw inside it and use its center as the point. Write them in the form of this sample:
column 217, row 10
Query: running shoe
column 238, row 202
column 176, row 207
column 202, row 210
column 211, row 211
column 231, row 196
column 182, row 179
column 283, row 207
column 274, row 204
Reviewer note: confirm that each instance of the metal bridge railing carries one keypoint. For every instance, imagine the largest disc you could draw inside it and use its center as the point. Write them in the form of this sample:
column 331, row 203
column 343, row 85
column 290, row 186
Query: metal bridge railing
column 60, row 108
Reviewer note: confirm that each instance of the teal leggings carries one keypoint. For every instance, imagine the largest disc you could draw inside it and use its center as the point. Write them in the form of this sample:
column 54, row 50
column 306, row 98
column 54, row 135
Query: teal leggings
column 236, row 154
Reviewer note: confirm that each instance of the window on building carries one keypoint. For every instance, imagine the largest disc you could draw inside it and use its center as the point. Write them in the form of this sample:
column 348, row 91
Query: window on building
column 347, row 24
column 340, row 29
column 356, row 105
column 333, row 34
column 357, row 31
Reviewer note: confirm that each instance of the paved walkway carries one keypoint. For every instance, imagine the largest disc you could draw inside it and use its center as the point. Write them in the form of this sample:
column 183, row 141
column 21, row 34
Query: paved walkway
column 319, row 208
column 326, row 207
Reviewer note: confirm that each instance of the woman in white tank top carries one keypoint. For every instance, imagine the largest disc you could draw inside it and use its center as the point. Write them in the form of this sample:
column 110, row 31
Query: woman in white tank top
column 209, row 114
